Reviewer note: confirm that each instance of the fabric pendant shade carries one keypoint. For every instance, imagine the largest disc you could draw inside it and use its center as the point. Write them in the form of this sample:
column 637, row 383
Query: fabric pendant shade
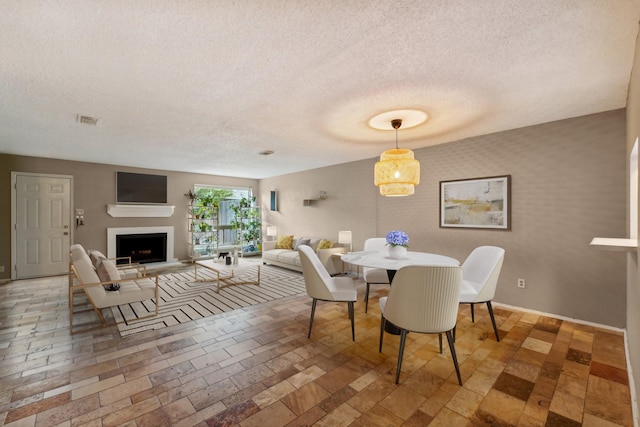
column 397, row 173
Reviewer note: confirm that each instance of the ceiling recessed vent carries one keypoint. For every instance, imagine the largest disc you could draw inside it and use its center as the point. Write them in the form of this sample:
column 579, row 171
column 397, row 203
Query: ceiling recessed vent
column 266, row 153
column 89, row 121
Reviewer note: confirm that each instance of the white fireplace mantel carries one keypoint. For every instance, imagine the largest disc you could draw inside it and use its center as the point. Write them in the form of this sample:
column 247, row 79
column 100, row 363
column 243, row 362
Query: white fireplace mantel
column 146, row 211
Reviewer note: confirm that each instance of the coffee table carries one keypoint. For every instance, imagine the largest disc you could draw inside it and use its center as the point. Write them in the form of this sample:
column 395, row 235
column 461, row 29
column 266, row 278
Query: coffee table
column 224, row 274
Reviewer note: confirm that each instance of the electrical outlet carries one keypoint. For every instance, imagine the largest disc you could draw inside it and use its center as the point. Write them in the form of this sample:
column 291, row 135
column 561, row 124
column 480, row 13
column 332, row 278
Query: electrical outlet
column 521, row 283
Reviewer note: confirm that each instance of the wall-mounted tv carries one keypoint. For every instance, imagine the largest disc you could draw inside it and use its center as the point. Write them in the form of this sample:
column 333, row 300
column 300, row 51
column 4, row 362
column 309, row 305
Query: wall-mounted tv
column 140, row 188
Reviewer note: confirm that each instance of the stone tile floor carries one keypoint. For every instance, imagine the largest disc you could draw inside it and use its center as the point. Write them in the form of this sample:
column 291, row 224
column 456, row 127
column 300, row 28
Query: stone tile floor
column 256, row 367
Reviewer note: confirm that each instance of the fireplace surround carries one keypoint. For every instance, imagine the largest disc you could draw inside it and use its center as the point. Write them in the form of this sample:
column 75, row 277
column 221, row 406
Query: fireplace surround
column 113, row 233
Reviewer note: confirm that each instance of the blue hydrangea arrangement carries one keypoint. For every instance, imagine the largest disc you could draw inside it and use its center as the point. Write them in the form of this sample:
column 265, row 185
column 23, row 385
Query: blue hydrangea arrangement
column 397, row 238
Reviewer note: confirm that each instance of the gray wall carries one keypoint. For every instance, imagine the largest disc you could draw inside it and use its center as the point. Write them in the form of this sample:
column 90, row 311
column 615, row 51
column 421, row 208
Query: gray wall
column 94, row 189
column 568, row 186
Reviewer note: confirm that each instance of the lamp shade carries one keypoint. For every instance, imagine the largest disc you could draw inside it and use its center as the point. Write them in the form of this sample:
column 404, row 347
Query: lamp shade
column 272, row 230
column 397, row 173
column 344, row 237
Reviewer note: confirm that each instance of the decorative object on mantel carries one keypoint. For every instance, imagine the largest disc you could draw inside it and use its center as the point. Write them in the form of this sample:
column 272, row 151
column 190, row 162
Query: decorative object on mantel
column 397, row 173
column 397, row 242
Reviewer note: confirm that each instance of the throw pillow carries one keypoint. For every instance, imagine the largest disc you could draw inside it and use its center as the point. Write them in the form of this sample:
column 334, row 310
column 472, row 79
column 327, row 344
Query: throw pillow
column 284, row 242
column 301, row 241
column 96, row 257
column 325, row 244
column 314, row 244
column 107, row 272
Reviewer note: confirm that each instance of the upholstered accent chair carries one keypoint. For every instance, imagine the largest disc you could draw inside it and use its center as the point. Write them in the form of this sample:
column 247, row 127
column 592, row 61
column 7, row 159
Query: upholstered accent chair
column 481, row 272
column 321, row 286
column 423, row 299
column 105, row 287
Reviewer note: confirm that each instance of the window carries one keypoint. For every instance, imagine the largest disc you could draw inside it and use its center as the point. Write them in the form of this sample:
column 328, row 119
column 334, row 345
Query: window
column 224, row 197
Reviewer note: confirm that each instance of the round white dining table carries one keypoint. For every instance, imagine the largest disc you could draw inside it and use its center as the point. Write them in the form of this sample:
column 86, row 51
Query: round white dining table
column 381, row 259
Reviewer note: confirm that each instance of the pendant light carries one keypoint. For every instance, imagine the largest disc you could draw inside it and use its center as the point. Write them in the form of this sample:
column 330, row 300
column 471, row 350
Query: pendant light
column 397, row 173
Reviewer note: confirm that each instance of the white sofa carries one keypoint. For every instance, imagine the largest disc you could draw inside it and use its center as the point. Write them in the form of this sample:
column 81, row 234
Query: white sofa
column 290, row 258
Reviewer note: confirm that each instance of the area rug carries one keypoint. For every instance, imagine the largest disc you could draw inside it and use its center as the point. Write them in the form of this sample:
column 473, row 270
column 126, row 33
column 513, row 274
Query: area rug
column 183, row 299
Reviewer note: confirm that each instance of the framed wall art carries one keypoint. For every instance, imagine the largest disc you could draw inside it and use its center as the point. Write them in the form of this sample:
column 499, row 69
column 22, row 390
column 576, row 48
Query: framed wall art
column 476, row 203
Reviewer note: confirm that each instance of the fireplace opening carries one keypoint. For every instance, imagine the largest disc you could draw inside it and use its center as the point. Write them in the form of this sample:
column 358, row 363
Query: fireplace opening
column 142, row 248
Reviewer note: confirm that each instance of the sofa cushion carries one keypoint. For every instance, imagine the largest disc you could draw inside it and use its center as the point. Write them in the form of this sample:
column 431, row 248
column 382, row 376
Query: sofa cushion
column 284, row 242
column 272, row 255
column 324, row 244
column 314, row 244
column 78, row 252
column 299, row 242
column 86, row 273
column 289, row 257
column 96, row 257
column 107, row 272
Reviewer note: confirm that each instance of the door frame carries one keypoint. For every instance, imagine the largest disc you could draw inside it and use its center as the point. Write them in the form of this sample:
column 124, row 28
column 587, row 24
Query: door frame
column 14, row 180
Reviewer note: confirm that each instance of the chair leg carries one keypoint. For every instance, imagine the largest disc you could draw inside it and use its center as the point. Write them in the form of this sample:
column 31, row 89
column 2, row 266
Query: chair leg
column 352, row 316
column 403, row 337
column 313, row 311
column 366, row 298
column 382, row 322
column 453, row 355
column 440, row 341
column 473, row 317
column 493, row 320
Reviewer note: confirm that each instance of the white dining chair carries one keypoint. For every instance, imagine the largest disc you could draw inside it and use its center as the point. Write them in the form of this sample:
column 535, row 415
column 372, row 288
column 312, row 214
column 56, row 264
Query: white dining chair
column 371, row 275
column 481, row 272
column 322, row 286
column 423, row 299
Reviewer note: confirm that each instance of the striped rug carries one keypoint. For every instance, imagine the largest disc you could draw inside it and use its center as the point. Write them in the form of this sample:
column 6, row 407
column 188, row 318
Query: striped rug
column 183, row 299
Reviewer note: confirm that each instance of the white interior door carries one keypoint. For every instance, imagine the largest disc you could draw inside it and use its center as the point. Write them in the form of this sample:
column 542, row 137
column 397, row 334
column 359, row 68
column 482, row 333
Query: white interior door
column 42, row 231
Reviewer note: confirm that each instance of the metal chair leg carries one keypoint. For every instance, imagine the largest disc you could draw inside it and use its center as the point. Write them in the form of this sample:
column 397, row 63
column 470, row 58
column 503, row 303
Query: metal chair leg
column 382, row 322
column 403, row 337
column 366, row 298
column 453, row 355
column 473, row 317
column 440, row 341
column 493, row 320
column 313, row 311
column 352, row 316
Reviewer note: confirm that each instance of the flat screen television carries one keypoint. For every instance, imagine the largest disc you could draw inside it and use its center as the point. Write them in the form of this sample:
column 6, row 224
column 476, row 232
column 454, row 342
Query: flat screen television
column 140, row 188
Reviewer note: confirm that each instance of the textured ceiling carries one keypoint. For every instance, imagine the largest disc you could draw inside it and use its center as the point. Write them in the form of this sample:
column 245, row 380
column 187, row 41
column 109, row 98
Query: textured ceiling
column 204, row 86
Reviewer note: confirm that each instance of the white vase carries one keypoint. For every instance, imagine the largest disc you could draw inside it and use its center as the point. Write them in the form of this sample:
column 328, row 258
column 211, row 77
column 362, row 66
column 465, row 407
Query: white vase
column 397, row 252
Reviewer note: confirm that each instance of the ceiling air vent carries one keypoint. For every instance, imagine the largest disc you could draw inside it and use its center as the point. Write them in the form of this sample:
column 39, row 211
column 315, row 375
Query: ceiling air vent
column 89, row 121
